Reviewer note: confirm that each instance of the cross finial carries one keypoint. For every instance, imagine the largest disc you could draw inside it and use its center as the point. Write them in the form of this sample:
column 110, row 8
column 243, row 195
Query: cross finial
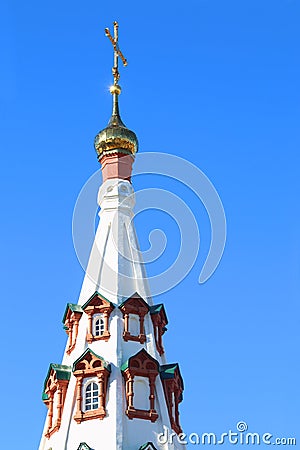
column 117, row 52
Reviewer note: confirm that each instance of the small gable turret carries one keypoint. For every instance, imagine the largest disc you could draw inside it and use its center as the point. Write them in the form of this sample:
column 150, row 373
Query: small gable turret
column 134, row 310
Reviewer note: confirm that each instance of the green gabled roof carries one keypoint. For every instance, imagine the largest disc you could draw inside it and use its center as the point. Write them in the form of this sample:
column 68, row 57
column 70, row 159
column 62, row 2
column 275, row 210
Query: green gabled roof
column 74, row 308
column 168, row 370
column 83, row 446
column 135, row 295
column 88, row 350
column 45, row 396
column 95, row 294
column 62, row 373
column 156, row 309
column 125, row 365
column 143, row 447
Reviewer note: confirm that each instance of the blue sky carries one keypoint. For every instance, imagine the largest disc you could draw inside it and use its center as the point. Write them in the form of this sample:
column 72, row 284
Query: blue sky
column 211, row 81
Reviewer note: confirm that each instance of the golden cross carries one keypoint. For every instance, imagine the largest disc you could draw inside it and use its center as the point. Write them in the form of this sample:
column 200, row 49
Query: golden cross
column 117, row 52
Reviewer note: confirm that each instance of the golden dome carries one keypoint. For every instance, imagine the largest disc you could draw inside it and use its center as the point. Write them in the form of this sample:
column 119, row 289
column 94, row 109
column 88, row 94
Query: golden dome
column 116, row 137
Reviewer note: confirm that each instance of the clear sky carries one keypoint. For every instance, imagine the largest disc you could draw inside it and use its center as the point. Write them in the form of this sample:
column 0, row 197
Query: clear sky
column 213, row 81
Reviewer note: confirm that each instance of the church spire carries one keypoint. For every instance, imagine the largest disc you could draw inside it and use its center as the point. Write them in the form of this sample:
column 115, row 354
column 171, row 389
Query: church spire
column 113, row 388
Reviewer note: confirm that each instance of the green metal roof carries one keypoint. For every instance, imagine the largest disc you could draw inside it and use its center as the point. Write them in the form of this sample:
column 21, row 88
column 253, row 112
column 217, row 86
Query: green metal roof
column 74, row 308
column 135, row 295
column 155, row 309
column 125, row 365
column 62, row 373
column 167, row 371
column 95, row 294
column 145, row 446
column 84, row 446
column 88, row 350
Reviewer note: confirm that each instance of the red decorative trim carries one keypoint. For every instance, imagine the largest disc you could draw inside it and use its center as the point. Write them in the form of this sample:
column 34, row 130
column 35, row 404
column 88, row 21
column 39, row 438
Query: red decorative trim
column 71, row 324
column 159, row 321
column 173, row 388
column 90, row 366
column 142, row 364
column 55, row 388
column 98, row 305
column 137, row 306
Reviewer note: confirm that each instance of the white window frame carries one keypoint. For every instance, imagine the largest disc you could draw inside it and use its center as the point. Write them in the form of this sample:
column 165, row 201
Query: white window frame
column 99, row 317
column 90, row 381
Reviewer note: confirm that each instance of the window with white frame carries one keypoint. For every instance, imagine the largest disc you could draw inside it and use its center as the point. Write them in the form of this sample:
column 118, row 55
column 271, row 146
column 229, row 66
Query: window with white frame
column 99, row 325
column 91, row 398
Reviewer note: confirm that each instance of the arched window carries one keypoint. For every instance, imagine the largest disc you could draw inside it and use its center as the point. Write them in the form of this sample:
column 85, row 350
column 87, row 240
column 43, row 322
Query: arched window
column 91, row 400
column 99, row 325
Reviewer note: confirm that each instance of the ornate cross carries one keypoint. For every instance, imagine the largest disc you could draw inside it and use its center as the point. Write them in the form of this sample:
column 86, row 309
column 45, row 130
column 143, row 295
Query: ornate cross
column 117, row 52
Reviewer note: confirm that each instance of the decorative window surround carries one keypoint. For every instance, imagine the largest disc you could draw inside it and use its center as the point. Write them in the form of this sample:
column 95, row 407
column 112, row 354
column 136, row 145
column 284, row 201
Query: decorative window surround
column 136, row 306
column 159, row 320
column 70, row 320
column 97, row 305
column 173, row 388
column 143, row 365
column 90, row 365
column 56, row 384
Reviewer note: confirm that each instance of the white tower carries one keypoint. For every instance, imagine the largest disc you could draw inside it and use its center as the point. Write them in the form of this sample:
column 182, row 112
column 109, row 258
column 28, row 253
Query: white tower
column 113, row 389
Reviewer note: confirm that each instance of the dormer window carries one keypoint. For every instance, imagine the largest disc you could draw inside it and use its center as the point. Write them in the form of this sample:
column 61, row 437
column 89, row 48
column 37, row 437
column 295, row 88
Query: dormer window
column 140, row 372
column 55, row 389
column 159, row 320
column 71, row 320
column 98, row 309
column 173, row 388
column 134, row 310
column 92, row 373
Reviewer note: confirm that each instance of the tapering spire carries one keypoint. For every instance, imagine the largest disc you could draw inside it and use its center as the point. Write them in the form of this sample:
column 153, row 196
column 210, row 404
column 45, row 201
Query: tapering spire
column 113, row 388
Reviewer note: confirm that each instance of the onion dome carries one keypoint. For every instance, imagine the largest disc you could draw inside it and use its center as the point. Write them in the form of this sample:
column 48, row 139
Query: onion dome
column 116, row 137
